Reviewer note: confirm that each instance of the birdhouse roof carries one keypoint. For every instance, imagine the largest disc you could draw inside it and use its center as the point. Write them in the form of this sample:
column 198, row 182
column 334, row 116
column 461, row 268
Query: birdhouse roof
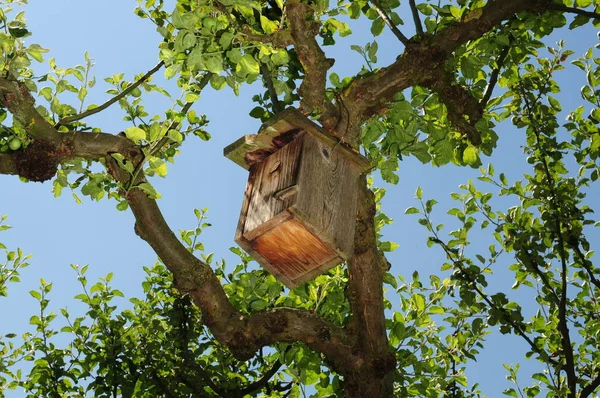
column 278, row 131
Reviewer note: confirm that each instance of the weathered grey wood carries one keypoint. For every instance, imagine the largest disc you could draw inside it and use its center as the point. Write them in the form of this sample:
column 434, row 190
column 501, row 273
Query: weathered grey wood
column 278, row 131
column 277, row 172
column 326, row 202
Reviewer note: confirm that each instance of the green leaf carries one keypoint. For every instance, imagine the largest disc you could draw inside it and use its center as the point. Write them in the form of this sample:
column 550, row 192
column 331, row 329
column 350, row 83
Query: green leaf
column 214, row 64
column 390, row 280
column 135, row 134
column 388, row 246
column 149, row 190
column 35, row 51
column 419, row 302
column 249, row 65
column 470, row 155
column 377, row 27
column 218, row 82
column 411, row 210
column 419, row 193
column 267, row 25
column 436, row 309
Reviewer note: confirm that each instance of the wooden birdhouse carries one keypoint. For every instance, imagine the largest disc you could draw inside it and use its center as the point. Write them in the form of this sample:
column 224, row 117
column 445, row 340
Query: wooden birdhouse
column 299, row 209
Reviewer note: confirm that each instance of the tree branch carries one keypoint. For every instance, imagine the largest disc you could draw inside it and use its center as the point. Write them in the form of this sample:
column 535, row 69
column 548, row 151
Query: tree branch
column 280, row 39
column 563, row 326
column 242, row 334
column 369, row 95
column 268, row 80
column 365, row 293
column 8, row 163
column 416, row 19
column 590, row 388
column 494, row 77
column 403, row 39
column 573, row 10
column 459, row 103
column 304, row 28
column 587, row 265
column 114, row 99
column 257, row 384
column 15, row 97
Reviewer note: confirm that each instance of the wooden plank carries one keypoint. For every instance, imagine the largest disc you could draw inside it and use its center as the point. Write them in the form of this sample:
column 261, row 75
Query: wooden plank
column 326, row 266
column 276, row 173
column 292, row 250
column 268, row 225
column 278, row 131
column 245, row 244
column 326, row 201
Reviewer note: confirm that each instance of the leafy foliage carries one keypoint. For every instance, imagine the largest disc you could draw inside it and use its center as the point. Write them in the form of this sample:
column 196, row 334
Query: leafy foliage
column 169, row 343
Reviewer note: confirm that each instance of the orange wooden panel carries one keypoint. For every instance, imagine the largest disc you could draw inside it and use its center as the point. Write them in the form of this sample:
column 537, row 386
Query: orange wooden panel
column 292, row 249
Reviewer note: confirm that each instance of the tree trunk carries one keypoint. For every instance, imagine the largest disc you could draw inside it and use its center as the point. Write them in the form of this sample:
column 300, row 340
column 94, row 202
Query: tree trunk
column 367, row 384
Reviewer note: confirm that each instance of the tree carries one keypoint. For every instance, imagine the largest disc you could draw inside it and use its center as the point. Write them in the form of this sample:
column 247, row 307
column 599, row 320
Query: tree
column 207, row 329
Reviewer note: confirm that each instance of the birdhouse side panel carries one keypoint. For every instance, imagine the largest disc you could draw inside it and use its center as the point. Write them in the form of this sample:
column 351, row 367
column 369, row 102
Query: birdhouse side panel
column 273, row 186
column 327, row 195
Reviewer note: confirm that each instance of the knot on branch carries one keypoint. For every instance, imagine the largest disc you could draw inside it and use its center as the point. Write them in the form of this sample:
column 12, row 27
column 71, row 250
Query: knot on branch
column 383, row 365
column 39, row 161
column 324, row 333
column 276, row 323
column 14, row 95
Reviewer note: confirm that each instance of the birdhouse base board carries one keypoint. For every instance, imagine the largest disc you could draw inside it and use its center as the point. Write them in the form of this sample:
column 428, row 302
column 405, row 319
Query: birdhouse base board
column 290, row 252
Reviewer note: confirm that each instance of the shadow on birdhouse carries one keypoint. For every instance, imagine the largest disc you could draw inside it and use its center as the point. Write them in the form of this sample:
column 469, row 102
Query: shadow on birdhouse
column 299, row 209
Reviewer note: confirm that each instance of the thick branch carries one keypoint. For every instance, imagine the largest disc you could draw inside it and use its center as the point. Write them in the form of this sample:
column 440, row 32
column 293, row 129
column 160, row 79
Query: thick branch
column 416, row 19
column 114, row 99
column 244, row 335
column 463, row 109
column 590, row 388
column 8, row 164
column 370, row 95
column 15, row 97
column 91, row 146
column 280, row 39
column 403, row 39
column 365, row 293
column 573, row 10
column 312, row 90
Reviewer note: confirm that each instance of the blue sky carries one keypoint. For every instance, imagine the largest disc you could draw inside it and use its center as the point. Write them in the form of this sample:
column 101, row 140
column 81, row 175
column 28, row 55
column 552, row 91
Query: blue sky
column 59, row 233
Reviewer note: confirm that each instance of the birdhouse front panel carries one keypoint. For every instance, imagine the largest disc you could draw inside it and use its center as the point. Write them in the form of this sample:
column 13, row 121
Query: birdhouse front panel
column 299, row 209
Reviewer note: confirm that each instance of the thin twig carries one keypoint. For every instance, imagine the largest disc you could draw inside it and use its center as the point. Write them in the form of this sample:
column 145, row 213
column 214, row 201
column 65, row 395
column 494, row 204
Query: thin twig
column 587, row 265
column 268, row 80
column 574, row 10
column 516, row 327
column 111, row 101
column 164, row 140
column 494, row 76
column 257, row 385
column 389, row 23
column 415, row 14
